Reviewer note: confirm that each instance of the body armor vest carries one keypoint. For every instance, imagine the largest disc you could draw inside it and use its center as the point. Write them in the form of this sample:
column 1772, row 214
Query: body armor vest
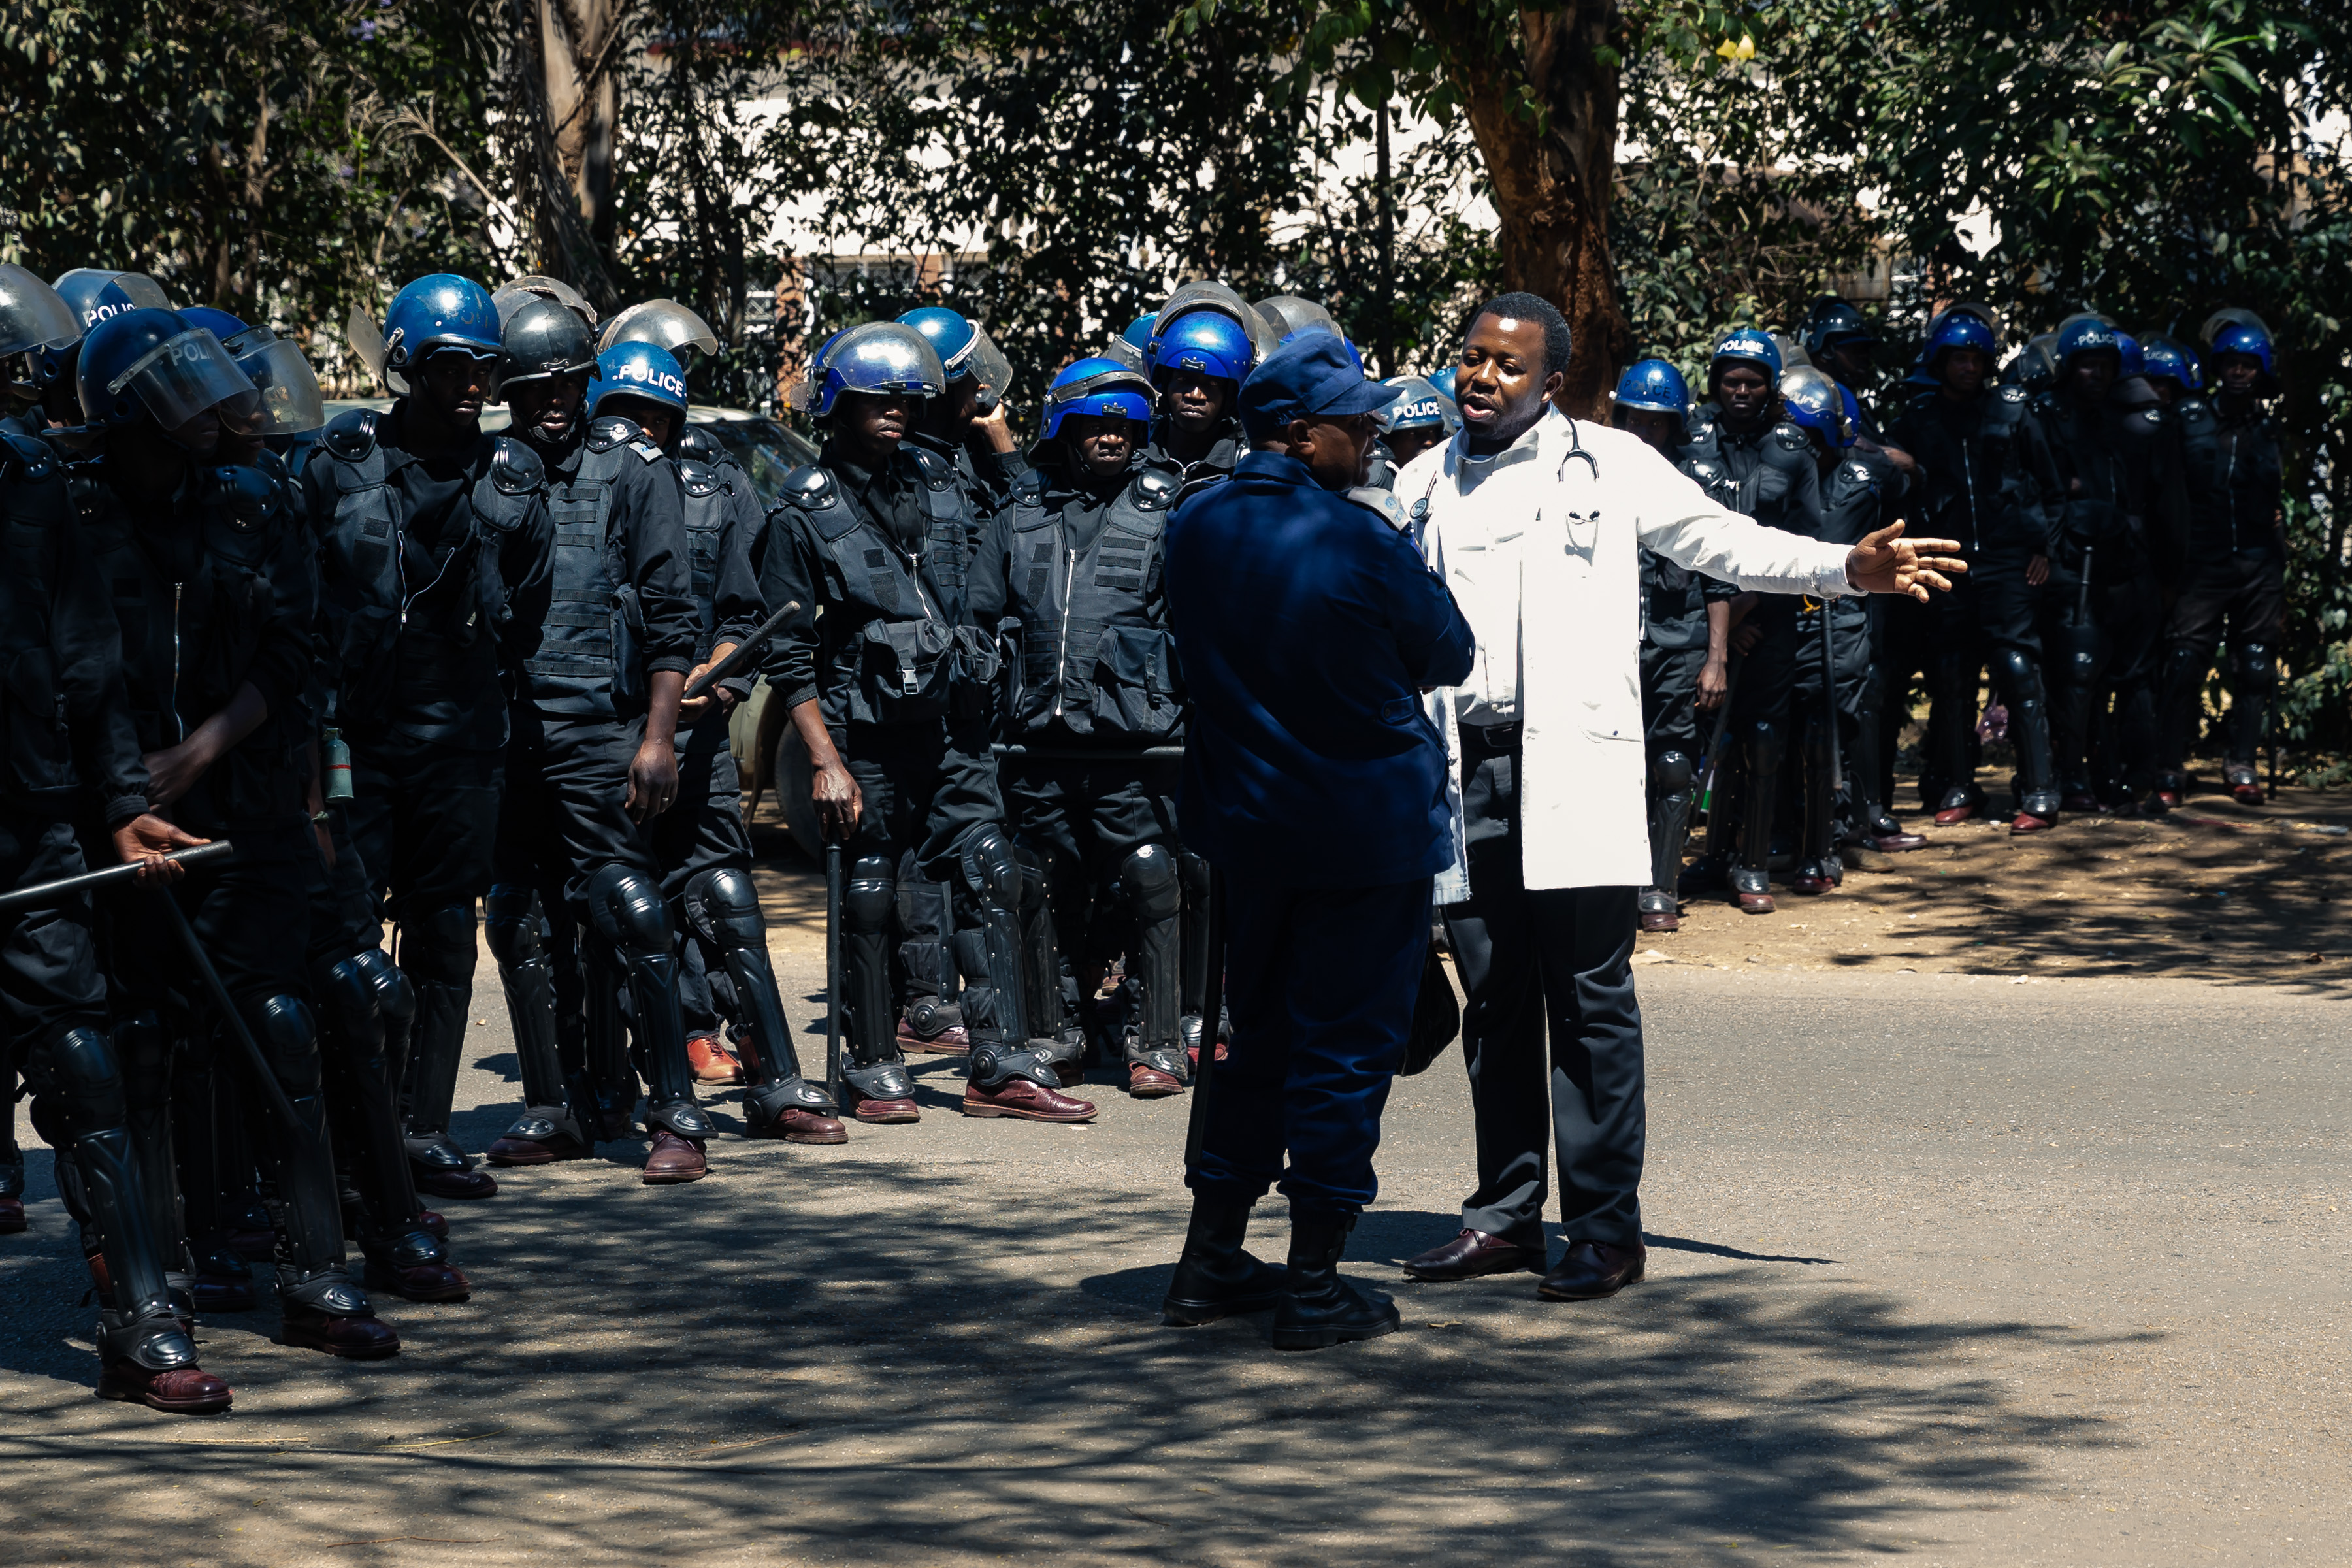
column 1673, row 603
column 2233, row 477
column 710, row 492
column 38, row 514
column 1755, row 479
column 1973, row 479
column 587, row 661
column 891, row 648
column 388, row 644
column 1094, row 648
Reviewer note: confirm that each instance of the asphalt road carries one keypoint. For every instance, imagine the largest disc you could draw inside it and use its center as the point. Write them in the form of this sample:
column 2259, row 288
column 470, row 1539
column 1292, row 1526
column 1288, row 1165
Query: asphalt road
column 1944, row 1269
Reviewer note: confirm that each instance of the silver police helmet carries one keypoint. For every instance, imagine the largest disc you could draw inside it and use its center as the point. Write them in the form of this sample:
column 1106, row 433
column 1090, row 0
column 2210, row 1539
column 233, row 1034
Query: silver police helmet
column 1208, row 294
column 664, row 323
column 291, row 401
column 1293, row 313
column 32, row 314
column 513, row 296
column 878, row 357
column 1421, row 406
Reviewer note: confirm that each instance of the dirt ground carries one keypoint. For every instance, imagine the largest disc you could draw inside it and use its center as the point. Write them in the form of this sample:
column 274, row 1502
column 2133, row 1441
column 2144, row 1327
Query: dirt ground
column 2214, row 891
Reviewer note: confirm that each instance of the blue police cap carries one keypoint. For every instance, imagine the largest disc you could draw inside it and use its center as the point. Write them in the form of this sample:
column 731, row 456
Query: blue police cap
column 1313, row 374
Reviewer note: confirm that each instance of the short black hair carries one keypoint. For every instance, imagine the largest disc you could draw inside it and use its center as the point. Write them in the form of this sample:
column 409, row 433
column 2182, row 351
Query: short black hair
column 1522, row 306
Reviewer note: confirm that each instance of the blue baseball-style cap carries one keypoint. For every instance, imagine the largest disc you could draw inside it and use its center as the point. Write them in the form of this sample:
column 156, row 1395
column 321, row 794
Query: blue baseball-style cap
column 1313, row 373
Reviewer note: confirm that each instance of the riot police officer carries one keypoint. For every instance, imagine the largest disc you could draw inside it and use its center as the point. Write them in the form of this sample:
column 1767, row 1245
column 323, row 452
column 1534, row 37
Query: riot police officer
column 1969, row 439
column 215, row 593
column 1685, row 647
column 36, row 327
column 2234, row 583
column 1201, row 349
column 967, row 423
column 1751, row 460
column 1073, row 569
column 890, row 688
column 702, row 845
column 1420, row 418
column 605, row 638
column 426, row 526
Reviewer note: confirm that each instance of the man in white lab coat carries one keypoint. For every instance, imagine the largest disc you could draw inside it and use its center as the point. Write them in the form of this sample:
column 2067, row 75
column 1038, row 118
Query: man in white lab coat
column 1536, row 520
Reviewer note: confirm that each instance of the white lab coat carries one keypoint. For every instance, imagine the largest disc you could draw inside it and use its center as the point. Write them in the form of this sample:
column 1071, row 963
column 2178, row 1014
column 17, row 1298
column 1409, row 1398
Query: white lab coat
column 1584, row 817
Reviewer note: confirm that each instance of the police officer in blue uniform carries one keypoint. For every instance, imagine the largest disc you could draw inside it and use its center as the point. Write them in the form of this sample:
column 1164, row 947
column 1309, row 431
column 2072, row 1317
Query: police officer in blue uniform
column 1072, row 571
column 426, row 527
column 703, row 847
column 606, row 640
column 892, row 691
column 1308, row 626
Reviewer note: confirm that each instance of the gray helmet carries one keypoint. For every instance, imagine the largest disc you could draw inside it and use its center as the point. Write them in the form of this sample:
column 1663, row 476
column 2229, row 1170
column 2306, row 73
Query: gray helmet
column 1206, row 294
column 512, row 297
column 664, row 323
column 541, row 339
column 32, row 314
column 878, row 357
column 1288, row 313
column 2230, row 316
column 1421, row 406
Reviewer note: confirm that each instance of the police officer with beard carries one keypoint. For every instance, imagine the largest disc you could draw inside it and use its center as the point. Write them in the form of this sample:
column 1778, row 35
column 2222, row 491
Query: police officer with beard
column 607, row 639
column 891, row 690
column 1074, row 567
column 1970, row 440
column 426, row 528
column 1685, row 647
column 2236, row 578
column 1752, row 462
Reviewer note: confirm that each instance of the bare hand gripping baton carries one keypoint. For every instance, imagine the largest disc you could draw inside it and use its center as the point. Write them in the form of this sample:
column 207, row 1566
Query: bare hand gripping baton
column 739, row 657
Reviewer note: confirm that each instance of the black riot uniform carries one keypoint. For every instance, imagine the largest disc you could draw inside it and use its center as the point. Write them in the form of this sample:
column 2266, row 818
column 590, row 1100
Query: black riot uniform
column 615, row 607
column 905, row 686
column 1674, row 652
column 1071, row 570
column 2233, row 581
column 1977, row 489
column 1765, row 472
column 418, row 559
column 1227, row 445
column 214, row 591
column 2102, row 612
column 1833, row 698
column 73, row 748
column 701, row 843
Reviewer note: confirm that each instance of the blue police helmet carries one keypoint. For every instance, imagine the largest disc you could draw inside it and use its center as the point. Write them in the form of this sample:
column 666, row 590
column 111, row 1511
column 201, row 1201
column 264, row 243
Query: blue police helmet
column 2086, row 334
column 1812, row 400
column 881, row 357
column 2135, row 363
column 1443, row 381
column 1138, row 330
column 151, row 363
column 439, row 310
column 1421, row 406
column 1656, row 386
column 2247, row 338
column 1852, row 410
column 97, row 294
column 638, row 370
column 1097, row 386
column 953, row 336
column 1209, row 343
column 2165, row 360
column 220, row 324
column 1748, row 345
column 1956, row 329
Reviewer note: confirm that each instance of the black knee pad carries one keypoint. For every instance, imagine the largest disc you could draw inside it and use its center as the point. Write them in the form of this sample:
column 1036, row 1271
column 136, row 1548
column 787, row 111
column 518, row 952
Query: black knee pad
column 89, row 1077
column 2020, row 675
column 869, row 895
column 1148, row 880
column 2251, row 663
column 992, row 870
column 510, row 924
column 347, row 994
column 724, row 909
column 394, row 995
column 629, row 913
column 438, row 945
column 1670, row 772
column 1196, row 873
column 290, row 1039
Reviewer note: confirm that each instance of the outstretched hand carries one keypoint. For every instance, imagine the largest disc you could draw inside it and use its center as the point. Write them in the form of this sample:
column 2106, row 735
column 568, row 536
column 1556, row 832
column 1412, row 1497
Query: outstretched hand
column 1886, row 562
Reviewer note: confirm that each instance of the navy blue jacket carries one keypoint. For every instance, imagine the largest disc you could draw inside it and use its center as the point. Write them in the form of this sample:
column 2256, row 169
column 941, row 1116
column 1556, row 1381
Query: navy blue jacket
column 1306, row 625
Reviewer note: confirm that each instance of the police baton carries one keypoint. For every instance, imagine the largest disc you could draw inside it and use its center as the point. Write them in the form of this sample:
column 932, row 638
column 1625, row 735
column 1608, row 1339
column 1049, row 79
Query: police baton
column 45, row 895
column 740, row 656
column 1715, row 740
column 232, row 1020
column 1830, row 704
column 833, row 969
column 1212, row 1009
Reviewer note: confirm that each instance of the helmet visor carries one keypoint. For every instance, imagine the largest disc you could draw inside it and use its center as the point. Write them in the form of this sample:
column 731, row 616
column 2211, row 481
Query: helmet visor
column 1208, row 295
column 143, row 291
column 664, row 323
column 187, row 375
column 32, row 315
column 987, row 364
column 291, row 402
column 512, row 297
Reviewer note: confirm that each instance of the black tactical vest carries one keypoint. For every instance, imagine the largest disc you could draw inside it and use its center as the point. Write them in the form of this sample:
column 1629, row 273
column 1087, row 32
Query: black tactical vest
column 2234, row 479
column 891, row 648
column 386, row 647
column 1974, row 477
column 711, row 491
column 39, row 514
column 588, row 662
column 1755, row 479
column 1094, row 648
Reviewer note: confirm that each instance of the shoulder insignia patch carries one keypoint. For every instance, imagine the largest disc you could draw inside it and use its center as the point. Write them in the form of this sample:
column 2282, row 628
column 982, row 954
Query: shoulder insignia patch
column 1385, row 504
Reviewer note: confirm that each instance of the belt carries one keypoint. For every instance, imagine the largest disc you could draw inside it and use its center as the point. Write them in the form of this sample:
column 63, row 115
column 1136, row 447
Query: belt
column 1495, row 737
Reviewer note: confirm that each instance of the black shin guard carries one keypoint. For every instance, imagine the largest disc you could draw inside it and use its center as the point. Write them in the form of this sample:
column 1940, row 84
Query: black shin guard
column 359, row 1073
column 437, row 951
column 106, row 1172
column 311, row 1259
column 866, row 899
column 1670, row 802
column 144, row 1054
column 2028, row 731
column 1150, row 886
column 723, row 907
column 1002, row 1045
column 515, row 931
column 634, row 922
column 1195, row 871
column 1766, row 743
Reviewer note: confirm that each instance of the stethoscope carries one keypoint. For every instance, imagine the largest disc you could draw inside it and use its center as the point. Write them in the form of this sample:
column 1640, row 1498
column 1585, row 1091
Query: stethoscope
column 1576, row 449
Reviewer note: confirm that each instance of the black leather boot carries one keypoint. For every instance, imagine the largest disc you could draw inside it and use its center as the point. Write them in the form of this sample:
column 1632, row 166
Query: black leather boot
column 1214, row 1278
column 1318, row 1308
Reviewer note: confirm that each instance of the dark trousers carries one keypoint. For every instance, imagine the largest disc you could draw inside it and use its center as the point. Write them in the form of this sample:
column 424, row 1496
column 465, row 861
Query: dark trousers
column 925, row 787
column 49, row 978
column 2243, row 593
column 1085, row 818
column 1322, row 982
column 1550, row 982
column 702, row 830
column 563, row 816
column 424, row 818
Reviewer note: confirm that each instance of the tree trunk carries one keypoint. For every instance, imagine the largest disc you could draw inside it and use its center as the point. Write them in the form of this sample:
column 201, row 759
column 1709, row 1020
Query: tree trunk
column 1551, row 181
column 567, row 52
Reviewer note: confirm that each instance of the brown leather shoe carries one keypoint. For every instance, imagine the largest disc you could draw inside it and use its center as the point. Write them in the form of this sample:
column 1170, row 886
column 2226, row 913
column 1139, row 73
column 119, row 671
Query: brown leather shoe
column 1953, row 815
column 182, row 1391
column 1018, row 1097
column 1472, row 1254
column 1147, row 1082
column 1811, row 883
column 461, row 1185
column 420, row 1282
column 1661, row 919
column 1193, row 1054
column 512, row 1150
column 710, row 1061
column 1895, row 843
column 364, row 1337
column 1593, row 1269
column 799, row 1126
column 1756, row 904
column 952, row 1041
column 12, row 1217
column 2025, row 822
column 885, row 1113
column 433, row 1225
column 673, row 1159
